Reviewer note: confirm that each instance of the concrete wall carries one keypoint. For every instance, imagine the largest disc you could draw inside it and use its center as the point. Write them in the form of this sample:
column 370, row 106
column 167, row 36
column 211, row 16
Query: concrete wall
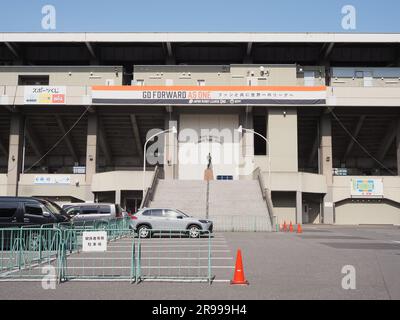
column 263, row 75
column 384, row 212
column 194, row 146
column 282, row 135
column 121, row 180
column 64, row 75
column 181, row 75
column 261, row 162
column 296, row 181
column 284, row 206
column 3, row 184
column 360, row 77
column 341, row 187
column 75, row 95
column 77, row 188
column 236, row 75
column 363, row 96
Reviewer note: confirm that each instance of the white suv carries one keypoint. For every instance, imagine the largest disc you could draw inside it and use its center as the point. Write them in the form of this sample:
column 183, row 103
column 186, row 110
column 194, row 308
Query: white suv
column 161, row 219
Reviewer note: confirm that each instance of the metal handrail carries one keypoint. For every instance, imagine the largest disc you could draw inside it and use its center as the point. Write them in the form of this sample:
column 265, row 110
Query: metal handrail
column 266, row 193
column 149, row 193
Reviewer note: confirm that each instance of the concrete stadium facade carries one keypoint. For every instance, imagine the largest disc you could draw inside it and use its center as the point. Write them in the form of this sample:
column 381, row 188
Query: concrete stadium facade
column 328, row 106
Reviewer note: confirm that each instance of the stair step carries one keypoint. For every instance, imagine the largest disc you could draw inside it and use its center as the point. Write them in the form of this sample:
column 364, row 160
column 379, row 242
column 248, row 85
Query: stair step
column 233, row 205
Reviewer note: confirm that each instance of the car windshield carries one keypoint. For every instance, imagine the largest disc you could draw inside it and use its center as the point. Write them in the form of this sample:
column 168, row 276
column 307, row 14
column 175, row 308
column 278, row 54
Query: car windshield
column 52, row 207
column 184, row 214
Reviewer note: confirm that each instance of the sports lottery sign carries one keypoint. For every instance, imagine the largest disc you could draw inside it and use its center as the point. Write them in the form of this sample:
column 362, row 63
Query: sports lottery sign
column 209, row 95
column 44, row 95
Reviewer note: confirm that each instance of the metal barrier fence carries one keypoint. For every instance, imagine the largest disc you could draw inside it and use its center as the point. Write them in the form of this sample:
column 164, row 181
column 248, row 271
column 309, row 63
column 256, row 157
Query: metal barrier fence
column 173, row 256
column 241, row 223
column 116, row 254
column 115, row 261
column 24, row 252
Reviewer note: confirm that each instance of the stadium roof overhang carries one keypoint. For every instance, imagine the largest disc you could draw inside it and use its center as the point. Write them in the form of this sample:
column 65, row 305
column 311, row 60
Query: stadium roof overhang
column 207, row 37
column 128, row 49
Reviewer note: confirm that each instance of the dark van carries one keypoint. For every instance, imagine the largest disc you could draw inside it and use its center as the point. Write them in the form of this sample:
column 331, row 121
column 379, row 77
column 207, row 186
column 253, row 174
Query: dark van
column 28, row 211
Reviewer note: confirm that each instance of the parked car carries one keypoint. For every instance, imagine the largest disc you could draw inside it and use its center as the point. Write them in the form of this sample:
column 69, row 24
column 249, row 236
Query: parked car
column 86, row 213
column 162, row 219
column 29, row 211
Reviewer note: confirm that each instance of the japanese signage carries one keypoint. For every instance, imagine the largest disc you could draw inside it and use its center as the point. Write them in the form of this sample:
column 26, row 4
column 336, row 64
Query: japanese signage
column 367, row 188
column 52, row 179
column 94, row 241
column 209, row 95
column 44, row 95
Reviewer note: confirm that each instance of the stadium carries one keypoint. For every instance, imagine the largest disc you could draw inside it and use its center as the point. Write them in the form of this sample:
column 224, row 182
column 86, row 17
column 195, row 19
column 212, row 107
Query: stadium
column 251, row 129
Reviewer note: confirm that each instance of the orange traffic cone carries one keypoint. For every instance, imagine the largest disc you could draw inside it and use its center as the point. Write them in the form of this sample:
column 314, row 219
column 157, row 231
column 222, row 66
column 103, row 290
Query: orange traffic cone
column 299, row 229
column 291, row 227
column 238, row 277
column 284, row 226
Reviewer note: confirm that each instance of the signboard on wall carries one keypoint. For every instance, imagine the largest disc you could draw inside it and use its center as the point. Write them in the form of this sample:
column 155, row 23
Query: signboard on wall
column 44, row 95
column 367, row 188
column 209, row 95
column 51, row 179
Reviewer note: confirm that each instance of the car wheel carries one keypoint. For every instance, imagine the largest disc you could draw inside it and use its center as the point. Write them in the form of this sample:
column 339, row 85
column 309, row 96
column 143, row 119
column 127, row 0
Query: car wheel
column 194, row 231
column 143, row 232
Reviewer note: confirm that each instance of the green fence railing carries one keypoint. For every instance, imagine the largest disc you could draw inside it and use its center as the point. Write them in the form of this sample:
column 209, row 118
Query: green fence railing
column 164, row 256
column 173, row 256
column 23, row 252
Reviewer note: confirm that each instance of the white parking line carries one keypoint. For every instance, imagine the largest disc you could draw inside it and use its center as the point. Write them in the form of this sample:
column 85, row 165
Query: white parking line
column 170, row 251
column 172, row 246
column 185, row 267
column 152, row 258
column 102, row 267
column 151, row 267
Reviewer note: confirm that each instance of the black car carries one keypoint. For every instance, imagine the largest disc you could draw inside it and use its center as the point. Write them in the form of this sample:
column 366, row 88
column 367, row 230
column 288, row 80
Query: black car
column 28, row 211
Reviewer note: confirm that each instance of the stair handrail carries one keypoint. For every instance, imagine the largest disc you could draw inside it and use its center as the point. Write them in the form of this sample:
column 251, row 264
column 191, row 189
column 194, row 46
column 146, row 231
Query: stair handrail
column 149, row 192
column 266, row 194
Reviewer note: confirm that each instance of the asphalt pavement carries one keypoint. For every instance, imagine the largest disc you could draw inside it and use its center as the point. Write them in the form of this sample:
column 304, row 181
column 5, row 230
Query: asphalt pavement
column 277, row 265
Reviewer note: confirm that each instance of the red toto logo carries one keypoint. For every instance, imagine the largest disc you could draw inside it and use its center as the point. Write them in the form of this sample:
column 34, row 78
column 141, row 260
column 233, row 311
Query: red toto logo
column 58, row 98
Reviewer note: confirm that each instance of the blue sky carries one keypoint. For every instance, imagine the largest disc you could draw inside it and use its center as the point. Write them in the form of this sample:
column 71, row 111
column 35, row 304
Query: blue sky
column 200, row 16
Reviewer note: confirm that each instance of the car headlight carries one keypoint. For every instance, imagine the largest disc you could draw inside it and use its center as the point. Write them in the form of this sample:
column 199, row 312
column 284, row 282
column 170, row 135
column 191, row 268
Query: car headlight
column 204, row 221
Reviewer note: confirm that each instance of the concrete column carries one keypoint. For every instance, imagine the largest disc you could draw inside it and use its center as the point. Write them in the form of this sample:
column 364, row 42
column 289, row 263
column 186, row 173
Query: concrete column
column 15, row 153
column 171, row 149
column 118, row 197
column 282, row 135
column 326, row 167
column 91, row 147
column 299, row 207
column 248, row 137
column 247, row 165
column 398, row 146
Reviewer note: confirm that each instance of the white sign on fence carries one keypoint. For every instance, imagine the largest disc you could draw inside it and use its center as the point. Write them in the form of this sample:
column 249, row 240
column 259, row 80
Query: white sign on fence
column 94, row 241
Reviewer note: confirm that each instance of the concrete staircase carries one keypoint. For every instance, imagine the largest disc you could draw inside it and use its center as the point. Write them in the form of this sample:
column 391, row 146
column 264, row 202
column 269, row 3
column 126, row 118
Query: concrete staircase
column 238, row 205
column 186, row 195
column 232, row 205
